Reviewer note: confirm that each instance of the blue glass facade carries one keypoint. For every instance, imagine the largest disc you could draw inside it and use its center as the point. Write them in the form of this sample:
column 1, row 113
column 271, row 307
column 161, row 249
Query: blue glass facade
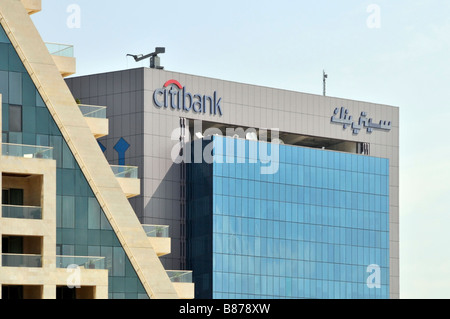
column 82, row 228
column 310, row 230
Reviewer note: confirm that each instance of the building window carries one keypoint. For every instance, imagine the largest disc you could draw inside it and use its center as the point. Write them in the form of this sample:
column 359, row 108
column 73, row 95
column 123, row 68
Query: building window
column 12, row 197
column 15, row 118
column 15, row 88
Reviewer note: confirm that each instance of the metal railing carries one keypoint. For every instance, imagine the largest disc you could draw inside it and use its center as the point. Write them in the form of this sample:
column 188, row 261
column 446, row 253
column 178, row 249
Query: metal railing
column 81, row 261
column 21, row 260
column 27, row 151
column 123, row 171
column 21, row 212
column 93, row 111
column 182, row 276
column 60, row 49
column 156, row 230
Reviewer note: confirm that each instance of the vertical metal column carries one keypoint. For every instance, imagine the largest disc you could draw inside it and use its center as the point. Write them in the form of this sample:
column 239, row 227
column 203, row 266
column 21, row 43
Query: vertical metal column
column 182, row 195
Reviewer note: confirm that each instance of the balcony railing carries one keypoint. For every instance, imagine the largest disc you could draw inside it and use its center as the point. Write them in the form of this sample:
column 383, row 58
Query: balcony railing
column 182, row 276
column 156, row 230
column 21, row 212
column 93, row 111
column 59, row 49
column 123, row 171
column 21, row 260
column 27, row 151
column 81, row 261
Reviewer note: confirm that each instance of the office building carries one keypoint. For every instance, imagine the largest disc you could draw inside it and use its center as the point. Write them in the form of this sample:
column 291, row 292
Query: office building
column 304, row 205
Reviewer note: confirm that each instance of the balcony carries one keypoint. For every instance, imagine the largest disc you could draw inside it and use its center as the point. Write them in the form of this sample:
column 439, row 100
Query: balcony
column 93, row 111
column 22, row 260
column 182, row 282
column 182, row 276
column 32, row 6
column 159, row 237
column 95, row 117
column 127, row 176
column 27, row 151
column 59, row 49
column 80, row 261
column 63, row 57
column 21, row 212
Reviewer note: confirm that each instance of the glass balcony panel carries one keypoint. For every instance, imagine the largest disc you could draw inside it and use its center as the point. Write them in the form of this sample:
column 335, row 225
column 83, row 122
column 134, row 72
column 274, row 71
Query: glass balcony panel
column 123, row 171
column 98, row 112
column 27, row 151
column 21, row 260
column 156, row 230
column 180, row 276
column 81, row 261
column 21, row 212
column 60, row 49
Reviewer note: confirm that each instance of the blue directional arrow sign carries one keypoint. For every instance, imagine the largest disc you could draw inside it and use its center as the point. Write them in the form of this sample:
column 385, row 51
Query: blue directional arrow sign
column 121, row 148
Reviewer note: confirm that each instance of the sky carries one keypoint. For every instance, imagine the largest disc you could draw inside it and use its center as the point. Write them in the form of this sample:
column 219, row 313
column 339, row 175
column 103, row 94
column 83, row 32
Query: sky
column 381, row 51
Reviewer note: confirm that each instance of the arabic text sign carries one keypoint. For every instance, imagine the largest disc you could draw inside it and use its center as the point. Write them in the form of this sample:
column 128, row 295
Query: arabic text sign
column 341, row 116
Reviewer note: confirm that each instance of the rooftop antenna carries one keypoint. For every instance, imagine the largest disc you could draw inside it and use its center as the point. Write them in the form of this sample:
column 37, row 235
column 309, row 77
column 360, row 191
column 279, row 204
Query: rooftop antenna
column 325, row 77
column 155, row 62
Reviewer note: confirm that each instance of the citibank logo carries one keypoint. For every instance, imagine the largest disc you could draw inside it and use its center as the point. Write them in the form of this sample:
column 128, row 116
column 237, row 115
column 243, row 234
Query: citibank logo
column 175, row 96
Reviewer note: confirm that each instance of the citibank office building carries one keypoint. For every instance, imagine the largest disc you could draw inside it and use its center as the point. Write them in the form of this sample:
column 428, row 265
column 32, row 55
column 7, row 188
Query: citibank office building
column 267, row 193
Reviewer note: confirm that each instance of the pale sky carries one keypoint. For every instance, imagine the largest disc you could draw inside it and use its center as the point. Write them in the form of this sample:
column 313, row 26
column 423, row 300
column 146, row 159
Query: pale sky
column 381, row 51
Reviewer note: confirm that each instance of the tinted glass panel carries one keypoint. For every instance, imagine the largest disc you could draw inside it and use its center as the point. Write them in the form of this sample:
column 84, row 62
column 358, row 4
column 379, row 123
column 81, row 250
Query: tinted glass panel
column 15, row 118
column 312, row 229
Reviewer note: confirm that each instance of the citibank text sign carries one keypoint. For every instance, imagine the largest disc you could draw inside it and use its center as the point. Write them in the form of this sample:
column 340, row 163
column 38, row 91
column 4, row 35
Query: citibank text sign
column 175, row 96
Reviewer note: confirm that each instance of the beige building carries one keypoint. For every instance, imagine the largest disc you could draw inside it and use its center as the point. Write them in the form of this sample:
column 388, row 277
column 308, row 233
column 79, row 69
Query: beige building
column 67, row 227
